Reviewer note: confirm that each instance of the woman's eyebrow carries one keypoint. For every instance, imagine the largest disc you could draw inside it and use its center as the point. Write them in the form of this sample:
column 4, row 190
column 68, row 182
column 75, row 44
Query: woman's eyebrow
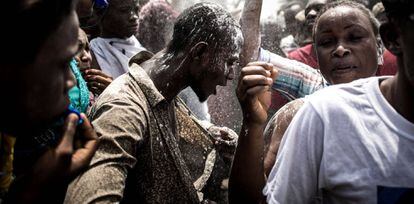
column 350, row 26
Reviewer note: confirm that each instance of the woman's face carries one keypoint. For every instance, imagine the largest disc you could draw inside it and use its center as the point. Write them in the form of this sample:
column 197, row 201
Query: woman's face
column 83, row 57
column 346, row 45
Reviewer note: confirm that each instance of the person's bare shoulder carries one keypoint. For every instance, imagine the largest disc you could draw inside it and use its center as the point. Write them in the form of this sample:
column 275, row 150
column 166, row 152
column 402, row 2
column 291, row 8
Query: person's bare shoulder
column 275, row 130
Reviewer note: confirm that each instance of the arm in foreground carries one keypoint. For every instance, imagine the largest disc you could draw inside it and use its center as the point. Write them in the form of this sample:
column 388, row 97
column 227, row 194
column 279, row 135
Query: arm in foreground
column 247, row 177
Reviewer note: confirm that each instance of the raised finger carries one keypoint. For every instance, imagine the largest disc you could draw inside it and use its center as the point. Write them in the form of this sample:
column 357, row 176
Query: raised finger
column 97, row 78
column 256, row 80
column 86, row 129
column 265, row 65
column 255, row 70
column 254, row 91
column 96, row 72
column 65, row 146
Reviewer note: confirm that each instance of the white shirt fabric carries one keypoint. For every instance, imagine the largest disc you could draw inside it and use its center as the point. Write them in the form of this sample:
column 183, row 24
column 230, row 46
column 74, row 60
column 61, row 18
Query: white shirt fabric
column 113, row 54
column 347, row 144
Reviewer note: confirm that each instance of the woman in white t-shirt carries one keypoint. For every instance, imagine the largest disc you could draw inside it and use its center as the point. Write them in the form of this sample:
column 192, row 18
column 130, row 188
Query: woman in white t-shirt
column 345, row 53
column 350, row 143
column 348, row 47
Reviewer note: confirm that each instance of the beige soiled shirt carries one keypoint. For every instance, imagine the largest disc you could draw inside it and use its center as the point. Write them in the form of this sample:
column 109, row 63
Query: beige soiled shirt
column 139, row 158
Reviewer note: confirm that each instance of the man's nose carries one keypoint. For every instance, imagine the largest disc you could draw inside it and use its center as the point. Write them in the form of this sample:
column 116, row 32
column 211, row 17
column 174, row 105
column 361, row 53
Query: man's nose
column 312, row 14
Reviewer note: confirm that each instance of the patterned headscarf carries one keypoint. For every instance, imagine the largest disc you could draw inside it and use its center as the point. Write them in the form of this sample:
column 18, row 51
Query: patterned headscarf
column 78, row 95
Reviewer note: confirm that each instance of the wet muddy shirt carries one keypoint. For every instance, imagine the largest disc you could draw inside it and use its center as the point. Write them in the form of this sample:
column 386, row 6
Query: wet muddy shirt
column 138, row 159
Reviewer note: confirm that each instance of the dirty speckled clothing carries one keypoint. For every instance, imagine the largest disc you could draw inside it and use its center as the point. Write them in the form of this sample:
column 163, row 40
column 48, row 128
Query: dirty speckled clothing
column 139, row 158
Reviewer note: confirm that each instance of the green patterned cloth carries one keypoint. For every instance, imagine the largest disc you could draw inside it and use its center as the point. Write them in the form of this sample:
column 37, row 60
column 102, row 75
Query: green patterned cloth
column 79, row 95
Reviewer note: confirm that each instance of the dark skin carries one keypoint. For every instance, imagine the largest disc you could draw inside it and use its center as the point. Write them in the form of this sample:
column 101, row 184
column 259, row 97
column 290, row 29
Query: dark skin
column 84, row 8
column 51, row 78
column 346, row 45
column 251, row 153
column 245, row 184
column 190, row 69
column 254, row 94
column 84, row 57
column 120, row 19
column 358, row 53
column 311, row 11
column 97, row 81
column 397, row 36
column 280, row 124
column 195, row 69
column 57, row 166
column 56, row 81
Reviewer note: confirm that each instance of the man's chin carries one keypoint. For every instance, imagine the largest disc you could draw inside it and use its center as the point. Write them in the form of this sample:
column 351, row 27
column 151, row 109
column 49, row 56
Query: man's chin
column 202, row 97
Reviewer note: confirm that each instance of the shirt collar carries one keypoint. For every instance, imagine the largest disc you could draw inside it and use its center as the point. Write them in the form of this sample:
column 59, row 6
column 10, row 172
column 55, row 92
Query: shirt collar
column 154, row 97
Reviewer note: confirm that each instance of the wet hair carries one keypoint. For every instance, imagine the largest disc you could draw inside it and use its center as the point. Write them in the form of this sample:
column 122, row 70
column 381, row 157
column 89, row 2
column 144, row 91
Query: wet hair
column 27, row 25
column 204, row 22
column 155, row 25
column 351, row 4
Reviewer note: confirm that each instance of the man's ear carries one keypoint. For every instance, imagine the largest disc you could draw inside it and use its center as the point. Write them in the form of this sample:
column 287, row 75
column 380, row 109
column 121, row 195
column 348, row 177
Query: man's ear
column 199, row 51
column 391, row 38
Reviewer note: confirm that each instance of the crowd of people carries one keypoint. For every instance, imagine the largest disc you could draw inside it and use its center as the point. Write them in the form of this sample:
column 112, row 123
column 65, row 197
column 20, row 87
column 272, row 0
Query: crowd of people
column 112, row 101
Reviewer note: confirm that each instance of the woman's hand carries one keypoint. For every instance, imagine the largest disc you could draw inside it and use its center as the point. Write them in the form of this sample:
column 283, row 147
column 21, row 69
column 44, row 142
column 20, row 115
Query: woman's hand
column 97, row 80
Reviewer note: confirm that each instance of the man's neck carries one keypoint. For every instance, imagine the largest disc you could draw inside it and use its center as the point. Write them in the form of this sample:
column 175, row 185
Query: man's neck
column 167, row 73
column 398, row 92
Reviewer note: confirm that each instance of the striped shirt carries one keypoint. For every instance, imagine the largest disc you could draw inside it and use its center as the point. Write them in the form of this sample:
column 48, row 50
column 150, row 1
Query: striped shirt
column 295, row 79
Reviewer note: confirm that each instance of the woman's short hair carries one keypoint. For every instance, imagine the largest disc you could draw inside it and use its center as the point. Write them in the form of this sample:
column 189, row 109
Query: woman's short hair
column 351, row 4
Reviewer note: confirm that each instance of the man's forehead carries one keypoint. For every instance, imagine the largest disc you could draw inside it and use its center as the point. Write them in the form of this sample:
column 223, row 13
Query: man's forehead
column 315, row 3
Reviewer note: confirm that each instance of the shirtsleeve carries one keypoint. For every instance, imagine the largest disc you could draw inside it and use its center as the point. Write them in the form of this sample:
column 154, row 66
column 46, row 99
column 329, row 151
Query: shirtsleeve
column 295, row 175
column 295, row 79
column 120, row 126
